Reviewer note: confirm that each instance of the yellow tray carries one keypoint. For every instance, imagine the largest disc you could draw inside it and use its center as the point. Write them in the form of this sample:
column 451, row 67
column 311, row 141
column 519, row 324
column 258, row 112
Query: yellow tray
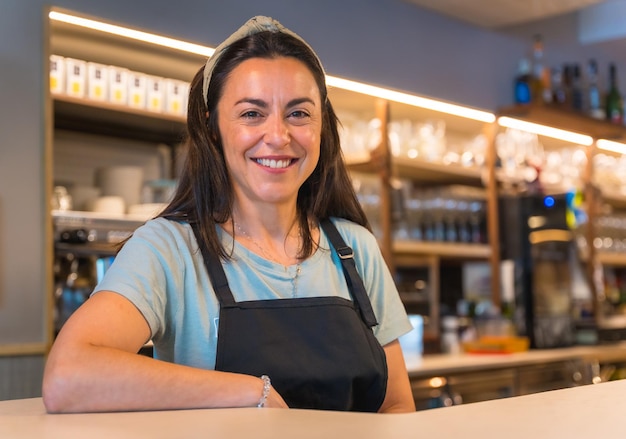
column 496, row 345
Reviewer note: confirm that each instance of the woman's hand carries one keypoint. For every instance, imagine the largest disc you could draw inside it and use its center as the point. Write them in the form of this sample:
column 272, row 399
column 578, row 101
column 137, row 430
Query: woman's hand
column 274, row 400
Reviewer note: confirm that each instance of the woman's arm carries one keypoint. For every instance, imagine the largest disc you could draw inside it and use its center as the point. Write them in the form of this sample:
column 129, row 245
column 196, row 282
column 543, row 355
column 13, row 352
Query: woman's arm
column 399, row 398
column 94, row 366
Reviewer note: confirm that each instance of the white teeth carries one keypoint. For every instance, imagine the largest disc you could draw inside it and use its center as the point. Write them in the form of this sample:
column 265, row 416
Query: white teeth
column 270, row 163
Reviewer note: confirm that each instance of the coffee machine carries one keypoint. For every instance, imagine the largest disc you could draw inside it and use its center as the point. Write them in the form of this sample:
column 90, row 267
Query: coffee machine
column 550, row 285
column 85, row 244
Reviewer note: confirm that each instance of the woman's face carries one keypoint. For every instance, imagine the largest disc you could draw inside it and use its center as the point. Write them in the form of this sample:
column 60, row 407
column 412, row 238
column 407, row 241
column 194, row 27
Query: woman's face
column 270, row 122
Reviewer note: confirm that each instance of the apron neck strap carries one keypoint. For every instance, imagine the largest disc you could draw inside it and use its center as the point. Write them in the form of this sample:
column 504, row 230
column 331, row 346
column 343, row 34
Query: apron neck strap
column 215, row 271
column 218, row 279
column 355, row 283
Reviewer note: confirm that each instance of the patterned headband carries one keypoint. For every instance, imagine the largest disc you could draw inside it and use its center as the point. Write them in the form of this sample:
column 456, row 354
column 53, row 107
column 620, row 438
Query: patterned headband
column 253, row 26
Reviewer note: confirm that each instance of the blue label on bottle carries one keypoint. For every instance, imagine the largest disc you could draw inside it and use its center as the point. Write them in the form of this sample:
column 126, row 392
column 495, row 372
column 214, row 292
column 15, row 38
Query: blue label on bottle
column 522, row 93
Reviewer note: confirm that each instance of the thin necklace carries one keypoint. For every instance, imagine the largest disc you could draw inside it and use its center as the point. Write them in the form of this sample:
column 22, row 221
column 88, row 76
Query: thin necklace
column 265, row 253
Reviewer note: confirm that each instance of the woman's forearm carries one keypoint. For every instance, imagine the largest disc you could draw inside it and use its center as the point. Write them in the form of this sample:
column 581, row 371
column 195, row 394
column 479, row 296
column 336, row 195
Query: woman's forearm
column 93, row 379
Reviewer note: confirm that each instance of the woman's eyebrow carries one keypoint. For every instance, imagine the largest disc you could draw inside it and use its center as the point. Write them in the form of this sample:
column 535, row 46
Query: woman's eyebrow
column 262, row 104
column 257, row 102
column 298, row 101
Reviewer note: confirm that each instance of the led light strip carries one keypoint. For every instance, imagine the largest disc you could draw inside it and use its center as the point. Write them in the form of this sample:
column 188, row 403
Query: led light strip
column 543, row 130
column 131, row 33
column 610, row 145
column 358, row 87
column 417, row 101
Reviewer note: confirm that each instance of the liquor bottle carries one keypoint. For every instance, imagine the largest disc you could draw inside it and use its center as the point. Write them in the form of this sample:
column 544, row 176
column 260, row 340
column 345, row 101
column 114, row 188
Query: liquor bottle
column 567, row 74
column 522, row 83
column 594, row 106
column 546, row 87
column 558, row 91
column 614, row 108
column 537, row 78
column 577, row 88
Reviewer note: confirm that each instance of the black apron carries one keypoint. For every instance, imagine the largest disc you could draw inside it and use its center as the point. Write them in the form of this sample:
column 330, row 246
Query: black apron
column 320, row 352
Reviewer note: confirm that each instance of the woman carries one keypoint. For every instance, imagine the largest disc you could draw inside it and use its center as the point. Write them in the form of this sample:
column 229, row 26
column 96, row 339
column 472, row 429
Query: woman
column 249, row 283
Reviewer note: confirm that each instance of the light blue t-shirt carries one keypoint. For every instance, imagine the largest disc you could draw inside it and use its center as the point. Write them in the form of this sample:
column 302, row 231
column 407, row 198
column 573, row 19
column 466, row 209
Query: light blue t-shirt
column 161, row 271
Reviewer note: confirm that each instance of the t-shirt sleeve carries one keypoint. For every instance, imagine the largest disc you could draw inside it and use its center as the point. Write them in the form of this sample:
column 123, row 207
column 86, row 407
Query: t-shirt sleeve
column 141, row 272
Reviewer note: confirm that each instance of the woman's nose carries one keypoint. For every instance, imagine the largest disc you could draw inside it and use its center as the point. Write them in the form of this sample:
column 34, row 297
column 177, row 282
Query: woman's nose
column 277, row 131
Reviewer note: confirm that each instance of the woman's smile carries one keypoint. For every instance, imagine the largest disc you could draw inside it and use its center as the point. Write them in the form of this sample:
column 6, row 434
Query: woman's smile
column 275, row 163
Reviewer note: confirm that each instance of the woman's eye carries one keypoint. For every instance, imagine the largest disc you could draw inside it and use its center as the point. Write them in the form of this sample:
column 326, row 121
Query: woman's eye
column 251, row 114
column 299, row 114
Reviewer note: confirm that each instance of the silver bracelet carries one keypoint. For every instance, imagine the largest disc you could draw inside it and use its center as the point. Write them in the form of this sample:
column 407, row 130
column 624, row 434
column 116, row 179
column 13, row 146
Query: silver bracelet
column 267, row 385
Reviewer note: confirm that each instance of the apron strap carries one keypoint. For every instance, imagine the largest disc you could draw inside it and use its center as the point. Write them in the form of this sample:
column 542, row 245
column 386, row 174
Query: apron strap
column 215, row 271
column 355, row 283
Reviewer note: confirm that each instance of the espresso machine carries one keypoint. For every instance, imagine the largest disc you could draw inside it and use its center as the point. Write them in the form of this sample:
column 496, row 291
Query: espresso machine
column 85, row 244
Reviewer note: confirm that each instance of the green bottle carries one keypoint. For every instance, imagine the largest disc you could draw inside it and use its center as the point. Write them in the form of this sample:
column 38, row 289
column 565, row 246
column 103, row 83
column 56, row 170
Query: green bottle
column 614, row 108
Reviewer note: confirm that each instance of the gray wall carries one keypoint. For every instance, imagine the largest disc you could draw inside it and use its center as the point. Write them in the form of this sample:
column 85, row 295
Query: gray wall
column 386, row 42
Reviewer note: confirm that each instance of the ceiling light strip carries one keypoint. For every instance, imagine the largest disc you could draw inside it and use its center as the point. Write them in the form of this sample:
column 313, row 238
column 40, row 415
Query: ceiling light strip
column 131, row 33
column 543, row 130
column 359, row 87
column 610, row 145
column 409, row 99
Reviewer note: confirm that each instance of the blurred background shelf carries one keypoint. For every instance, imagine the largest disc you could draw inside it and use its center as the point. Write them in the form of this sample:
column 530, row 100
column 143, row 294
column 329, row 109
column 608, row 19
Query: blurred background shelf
column 442, row 249
column 96, row 117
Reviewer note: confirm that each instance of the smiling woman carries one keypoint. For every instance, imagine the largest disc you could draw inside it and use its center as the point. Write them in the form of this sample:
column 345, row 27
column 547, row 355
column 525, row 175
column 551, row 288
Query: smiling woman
column 260, row 284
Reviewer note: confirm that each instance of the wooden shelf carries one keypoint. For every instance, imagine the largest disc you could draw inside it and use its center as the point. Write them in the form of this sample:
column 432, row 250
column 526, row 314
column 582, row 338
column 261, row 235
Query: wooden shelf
column 417, row 170
column 444, row 250
column 436, row 173
column 87, row 249
column 615, row 199
column 104, row 118
column 614, row 259
column 567, row 120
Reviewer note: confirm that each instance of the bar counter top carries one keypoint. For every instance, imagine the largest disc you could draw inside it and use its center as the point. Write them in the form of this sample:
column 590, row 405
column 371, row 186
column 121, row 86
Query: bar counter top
column 442, row 364
column 583, row 412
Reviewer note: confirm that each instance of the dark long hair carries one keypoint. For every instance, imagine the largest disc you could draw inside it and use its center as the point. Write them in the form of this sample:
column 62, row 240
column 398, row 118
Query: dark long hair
column 205, row 196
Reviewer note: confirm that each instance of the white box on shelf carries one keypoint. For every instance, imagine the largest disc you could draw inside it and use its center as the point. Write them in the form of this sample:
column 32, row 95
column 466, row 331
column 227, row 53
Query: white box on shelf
column 176, row 97
column 57, row 74
column 412, row 343
column 137, row 90
column 76, row 77
column 97, row 81
column 155, row 93
column 118, row 85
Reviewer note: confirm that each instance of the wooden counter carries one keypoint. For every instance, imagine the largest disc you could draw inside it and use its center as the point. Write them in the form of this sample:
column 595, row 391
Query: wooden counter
column 582, row 412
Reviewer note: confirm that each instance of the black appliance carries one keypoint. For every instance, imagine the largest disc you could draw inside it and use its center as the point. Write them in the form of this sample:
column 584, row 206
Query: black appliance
column 548, row 281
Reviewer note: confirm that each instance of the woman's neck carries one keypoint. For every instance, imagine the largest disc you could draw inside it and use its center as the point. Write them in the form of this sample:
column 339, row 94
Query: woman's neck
column 272, row 233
